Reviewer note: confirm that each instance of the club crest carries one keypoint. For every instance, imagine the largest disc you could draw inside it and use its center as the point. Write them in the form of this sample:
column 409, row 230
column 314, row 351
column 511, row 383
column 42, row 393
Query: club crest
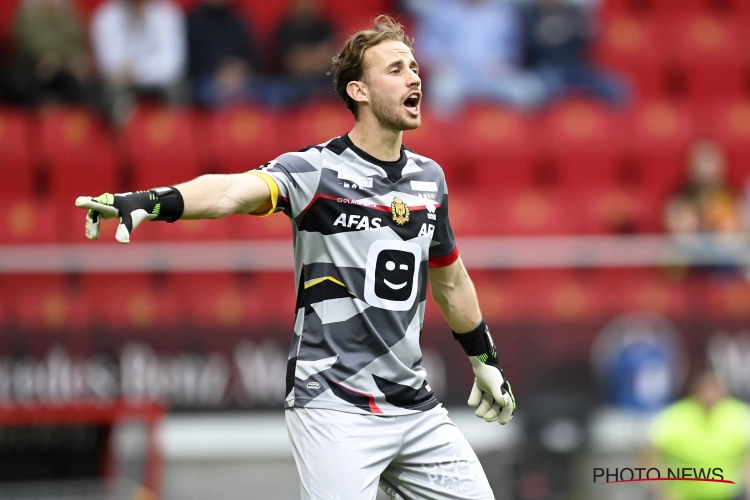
column 400, row 211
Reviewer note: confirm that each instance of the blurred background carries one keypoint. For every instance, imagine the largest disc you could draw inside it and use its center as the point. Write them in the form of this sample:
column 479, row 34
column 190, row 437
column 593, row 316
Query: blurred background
column 598, row 158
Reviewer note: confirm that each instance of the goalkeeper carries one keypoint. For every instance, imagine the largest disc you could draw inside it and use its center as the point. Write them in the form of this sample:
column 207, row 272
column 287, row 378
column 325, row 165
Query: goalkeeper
column 371, row 228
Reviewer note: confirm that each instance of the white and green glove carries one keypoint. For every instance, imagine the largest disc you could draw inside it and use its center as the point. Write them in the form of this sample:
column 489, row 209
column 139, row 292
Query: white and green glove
column 491, row 394
column 164, row 204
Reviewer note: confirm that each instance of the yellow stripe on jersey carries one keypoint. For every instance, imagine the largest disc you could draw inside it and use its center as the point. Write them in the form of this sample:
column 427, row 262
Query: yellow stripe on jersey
column 271, row 182
column 320, row 280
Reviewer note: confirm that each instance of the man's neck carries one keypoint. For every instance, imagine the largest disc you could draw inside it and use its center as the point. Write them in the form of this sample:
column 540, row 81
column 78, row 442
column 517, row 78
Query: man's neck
column 383, row 144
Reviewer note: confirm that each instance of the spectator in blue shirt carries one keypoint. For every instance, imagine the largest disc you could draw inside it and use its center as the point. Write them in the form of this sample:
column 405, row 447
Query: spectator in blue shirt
column 473, row 50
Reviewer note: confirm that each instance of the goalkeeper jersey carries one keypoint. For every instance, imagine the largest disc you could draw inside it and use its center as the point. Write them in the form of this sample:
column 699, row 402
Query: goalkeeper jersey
column 365, row 232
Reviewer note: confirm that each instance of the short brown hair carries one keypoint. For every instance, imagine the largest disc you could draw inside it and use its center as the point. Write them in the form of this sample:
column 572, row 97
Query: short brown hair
column 348, row 63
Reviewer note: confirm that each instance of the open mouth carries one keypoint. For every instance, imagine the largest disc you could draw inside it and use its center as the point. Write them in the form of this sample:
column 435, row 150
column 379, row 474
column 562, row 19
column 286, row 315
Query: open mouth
column 412, row 102
column 395, row 287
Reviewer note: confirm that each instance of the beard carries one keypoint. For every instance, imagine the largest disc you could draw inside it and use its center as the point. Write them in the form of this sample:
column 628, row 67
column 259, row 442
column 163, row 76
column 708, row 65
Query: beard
column 390, row 113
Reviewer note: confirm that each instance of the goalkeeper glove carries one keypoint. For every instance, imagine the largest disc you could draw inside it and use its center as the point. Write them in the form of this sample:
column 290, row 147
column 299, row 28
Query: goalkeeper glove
column 491, row 395
column 163, row 203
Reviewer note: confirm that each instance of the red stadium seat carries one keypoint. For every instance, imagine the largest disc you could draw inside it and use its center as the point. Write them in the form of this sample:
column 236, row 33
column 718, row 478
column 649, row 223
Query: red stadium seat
column 131, row 301
column 661, row 132
column 321, row 122
column 634, row 45
column 433, row 140
column 728, row 298
column 160, row 144
column 584, row 142
column 708, row 51
column 46, row 302
column 79, row 153
column 730, row 125
column 617, row 209
column 184, row 230
column 17, row 171
column 515, row 212
column 496, row 144
column 584, row 129
column 28, row 221
column 229, row 300
column 241, row 139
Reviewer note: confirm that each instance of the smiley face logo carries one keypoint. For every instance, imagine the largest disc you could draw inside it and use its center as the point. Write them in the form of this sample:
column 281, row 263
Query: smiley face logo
column 392, row 274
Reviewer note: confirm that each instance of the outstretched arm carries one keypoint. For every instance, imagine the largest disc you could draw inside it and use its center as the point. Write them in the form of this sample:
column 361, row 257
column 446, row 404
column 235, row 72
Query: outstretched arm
column 215, row 196
column 206, row 197
column 454, row 293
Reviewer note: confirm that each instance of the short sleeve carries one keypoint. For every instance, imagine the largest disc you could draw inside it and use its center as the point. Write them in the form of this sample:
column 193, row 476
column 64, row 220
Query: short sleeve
column 296, row 176
column 443, row 249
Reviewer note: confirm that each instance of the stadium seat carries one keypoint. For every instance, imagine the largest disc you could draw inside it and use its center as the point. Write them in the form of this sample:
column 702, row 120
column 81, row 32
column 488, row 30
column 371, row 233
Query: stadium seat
column 516, row 212
column 631, row 44
column 583, row 129
column 616, row 209
column 79, row 153
column 318, row 123
column 230, row 300
column 248, row 227
column 46, row 302
column 707, row 49
column 184, row 230
column 496, row 146
column 660, row 134
column 160, row 144
column 433, row 139
column 243, row 138
column 131, row 301
column 730, row 125
column 728, row 298
column 26, row 220
column 17, row 170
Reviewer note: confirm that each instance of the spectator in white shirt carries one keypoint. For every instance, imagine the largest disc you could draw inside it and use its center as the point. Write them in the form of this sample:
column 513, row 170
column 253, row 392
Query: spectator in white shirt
column 140, row 50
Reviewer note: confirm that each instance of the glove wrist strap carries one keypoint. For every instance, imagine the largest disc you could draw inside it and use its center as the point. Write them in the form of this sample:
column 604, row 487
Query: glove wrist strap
column 479, row 343
column 164, row 202
column 169, row 204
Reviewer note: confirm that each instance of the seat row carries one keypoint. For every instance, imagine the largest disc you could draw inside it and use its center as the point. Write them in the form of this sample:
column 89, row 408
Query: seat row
column 211, row 301
column 707, row 55
column 62, row 153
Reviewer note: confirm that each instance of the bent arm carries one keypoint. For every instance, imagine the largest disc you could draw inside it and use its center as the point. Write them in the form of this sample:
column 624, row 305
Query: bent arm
column 454, row 293
column 215, row 196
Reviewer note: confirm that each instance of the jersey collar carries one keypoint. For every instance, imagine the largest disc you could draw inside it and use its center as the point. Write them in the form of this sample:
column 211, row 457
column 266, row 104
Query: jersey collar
column 389, row 166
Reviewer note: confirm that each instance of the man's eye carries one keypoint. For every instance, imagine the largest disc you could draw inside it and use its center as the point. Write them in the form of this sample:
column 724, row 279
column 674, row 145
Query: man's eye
column 395, row 71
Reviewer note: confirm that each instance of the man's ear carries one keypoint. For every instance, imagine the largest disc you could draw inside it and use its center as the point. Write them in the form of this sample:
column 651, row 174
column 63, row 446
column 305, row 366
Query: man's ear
column 358, row 91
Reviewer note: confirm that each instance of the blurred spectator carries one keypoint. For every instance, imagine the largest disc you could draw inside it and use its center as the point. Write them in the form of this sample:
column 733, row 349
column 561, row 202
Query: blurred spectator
column 706, row 429
column 222, row 59
column 706, row 203
column 473, row 49
column 560, row 33
column 140, row 49
column 305, row 43
column 51, row 56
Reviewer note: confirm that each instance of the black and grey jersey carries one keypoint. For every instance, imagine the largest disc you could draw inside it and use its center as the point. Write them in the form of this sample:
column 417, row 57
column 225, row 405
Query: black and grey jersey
column 365, row 232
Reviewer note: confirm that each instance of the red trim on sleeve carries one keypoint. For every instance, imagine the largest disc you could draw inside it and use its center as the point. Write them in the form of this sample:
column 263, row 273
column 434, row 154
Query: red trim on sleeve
column 445, row 260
